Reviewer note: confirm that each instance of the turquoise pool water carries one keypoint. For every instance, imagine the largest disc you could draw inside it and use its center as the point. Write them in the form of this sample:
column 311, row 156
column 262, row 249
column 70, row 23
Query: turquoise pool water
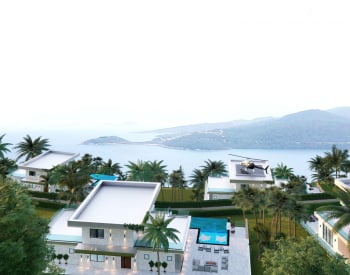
column 210, row 230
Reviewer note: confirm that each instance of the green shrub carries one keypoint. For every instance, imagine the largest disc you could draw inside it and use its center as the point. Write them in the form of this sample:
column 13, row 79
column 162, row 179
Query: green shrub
column 49, row 204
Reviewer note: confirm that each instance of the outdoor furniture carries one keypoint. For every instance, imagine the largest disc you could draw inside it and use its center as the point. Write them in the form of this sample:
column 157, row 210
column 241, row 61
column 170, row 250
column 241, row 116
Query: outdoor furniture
column 216, row 249
column 200, row 248
column 211, row 266
column 226, row 250
column 224, row 263
column 195, row 264
column 208, row 248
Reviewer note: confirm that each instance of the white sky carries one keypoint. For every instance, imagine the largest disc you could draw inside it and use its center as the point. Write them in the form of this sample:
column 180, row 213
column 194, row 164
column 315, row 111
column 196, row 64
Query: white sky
column 152, row 64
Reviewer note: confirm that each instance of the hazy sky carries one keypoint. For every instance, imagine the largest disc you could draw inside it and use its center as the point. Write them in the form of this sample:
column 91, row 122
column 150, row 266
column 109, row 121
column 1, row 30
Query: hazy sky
column 152, row 64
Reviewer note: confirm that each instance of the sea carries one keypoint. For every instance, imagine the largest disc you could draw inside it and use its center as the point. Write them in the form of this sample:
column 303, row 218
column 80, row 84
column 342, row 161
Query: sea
column 71, row 141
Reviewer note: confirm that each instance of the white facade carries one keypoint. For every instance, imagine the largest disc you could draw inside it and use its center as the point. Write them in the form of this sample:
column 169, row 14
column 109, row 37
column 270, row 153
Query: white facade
column 239, row 177
column 108, row 218
column 335, row 241
column 36, row 167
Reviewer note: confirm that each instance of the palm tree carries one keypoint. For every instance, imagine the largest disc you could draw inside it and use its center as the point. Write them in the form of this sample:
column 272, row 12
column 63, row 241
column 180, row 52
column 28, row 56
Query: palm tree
column 72, row 178
column 3, row 147
column 136, row 170
column 46, row 180
column 336, row 158
column 242, row 200
column 278, row 200
column 214, row 169
column 197, row 180
column 7, row 166
column 177, row 181
column 157, row 234
column 340, row 212
column 109, row 168
column 282, row 171
column 31, row 148
column 317, row 164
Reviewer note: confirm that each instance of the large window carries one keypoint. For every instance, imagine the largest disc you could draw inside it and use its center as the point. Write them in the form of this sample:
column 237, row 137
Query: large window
column 97, row 258
column 327, row 235
column 97, row 233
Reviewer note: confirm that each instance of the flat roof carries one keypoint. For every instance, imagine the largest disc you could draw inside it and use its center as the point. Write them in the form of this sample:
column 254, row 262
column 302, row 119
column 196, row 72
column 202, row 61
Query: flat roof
column 114, row 203
column 59, row 230
column 240, row 173
column 48, row 160
column 342, row 182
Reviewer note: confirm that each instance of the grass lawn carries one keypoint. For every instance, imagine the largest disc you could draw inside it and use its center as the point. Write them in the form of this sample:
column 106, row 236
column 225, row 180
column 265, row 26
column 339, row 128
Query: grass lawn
column 46, row 212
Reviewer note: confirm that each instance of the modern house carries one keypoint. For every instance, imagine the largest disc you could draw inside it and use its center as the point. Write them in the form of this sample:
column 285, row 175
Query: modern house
column 333, row 241
column 104, row 229
column 342, row 183
column 29, row 172
column 240, row 176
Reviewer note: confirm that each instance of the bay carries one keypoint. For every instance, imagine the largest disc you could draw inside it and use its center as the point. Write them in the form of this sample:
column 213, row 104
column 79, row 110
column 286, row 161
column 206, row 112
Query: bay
column 70, row 141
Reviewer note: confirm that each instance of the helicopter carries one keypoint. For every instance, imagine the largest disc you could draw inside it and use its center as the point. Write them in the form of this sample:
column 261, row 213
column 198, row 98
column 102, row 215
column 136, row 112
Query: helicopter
column 248, row 163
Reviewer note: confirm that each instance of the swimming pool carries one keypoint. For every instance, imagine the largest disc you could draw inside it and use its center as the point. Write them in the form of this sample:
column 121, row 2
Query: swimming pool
column 211, row 230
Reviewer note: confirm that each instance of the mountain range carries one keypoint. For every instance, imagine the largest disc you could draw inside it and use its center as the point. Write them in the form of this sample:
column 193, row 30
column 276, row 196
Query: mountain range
column 310, row 129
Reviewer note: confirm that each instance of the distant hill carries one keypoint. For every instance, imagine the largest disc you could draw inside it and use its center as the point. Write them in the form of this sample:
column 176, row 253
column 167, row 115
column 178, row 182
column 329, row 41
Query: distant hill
column 106, row 140
column 341, row 111
column 310, row 129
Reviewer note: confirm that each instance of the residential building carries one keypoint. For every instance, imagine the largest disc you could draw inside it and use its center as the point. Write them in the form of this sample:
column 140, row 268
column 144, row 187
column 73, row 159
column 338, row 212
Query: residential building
column 240, row 176
column 334, row 241
column 342, row 183
column 29, row 172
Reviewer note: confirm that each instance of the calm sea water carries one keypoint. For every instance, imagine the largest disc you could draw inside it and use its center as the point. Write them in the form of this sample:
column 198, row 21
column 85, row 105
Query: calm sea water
column 172, row 158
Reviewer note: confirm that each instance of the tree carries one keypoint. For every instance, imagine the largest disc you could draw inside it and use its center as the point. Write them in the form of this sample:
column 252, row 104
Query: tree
column 214, row 169
column 304, row 257
column 72, row 178
column 318, row 165
column 158, row 172
column 157, row 234
column 23, row 246
column 7, row 166
column 242, row 200
column 177, row 181
column 197, row 180
column 335, row 158
column 278, row 200
column 110, row 168
column 136, row 170
column 4, row 147
column 31, row 148
column 282, row 171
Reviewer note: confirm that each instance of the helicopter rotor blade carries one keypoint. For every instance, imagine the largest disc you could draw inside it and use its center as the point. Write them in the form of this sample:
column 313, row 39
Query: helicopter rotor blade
column 245, row 157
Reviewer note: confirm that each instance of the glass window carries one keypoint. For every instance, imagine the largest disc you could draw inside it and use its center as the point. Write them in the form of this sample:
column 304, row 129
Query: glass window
column 97, row 233
column 32, row 173
column 97, row 258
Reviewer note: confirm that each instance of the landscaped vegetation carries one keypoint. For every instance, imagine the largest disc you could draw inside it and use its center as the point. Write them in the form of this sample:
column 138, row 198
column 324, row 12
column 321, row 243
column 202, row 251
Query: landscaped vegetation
column 273, row 215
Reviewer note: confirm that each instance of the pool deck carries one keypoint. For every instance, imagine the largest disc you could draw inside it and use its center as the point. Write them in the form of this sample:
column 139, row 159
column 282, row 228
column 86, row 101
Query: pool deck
column 238, row 256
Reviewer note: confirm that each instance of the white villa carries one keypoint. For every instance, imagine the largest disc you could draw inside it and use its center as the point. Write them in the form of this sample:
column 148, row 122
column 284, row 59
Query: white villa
column 29, row 172
column 336, row 242
column 101, row 232
column 342, row 183
column 239, row 177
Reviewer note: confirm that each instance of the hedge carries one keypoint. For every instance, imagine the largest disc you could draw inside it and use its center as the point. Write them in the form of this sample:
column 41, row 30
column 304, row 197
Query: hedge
column 49, row 204
column 192, row 204
column 45, row 195
column 316, row 196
